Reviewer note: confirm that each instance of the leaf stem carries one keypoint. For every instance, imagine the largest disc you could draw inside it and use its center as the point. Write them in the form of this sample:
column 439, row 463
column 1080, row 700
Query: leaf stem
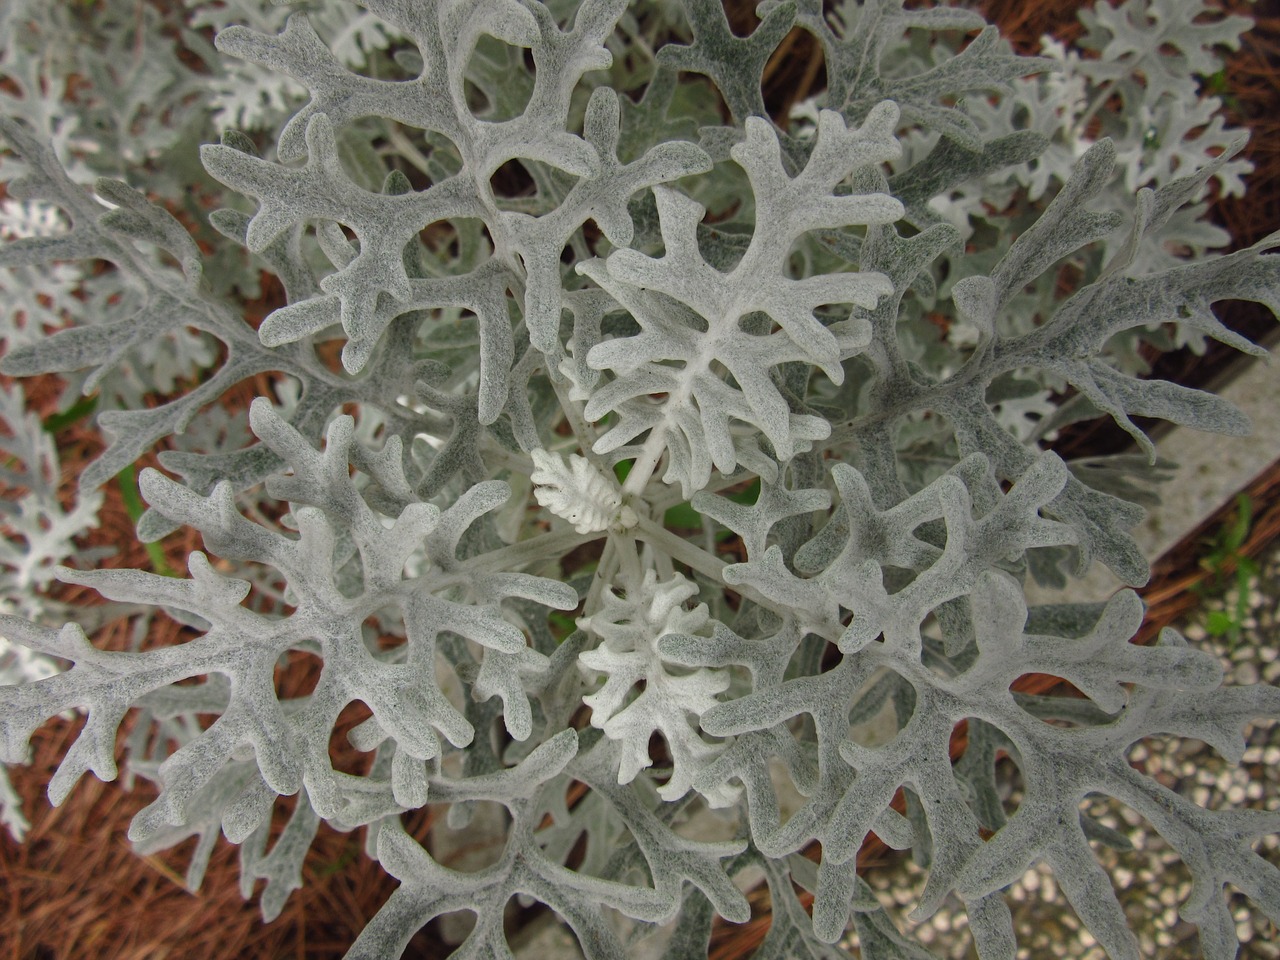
column 541, row 547
column 646, row 462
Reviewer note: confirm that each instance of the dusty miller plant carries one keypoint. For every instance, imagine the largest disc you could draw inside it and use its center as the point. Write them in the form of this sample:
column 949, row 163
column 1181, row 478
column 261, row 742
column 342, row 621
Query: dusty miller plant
column 599, row 320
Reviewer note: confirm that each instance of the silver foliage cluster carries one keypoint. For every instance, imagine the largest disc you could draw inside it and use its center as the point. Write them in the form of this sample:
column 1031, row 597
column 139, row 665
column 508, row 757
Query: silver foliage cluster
column 594, row 322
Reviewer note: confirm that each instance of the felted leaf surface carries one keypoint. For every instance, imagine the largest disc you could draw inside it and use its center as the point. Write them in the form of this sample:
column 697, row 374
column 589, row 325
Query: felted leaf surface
column 690, row 314
column 867, row 61
column 289, row 739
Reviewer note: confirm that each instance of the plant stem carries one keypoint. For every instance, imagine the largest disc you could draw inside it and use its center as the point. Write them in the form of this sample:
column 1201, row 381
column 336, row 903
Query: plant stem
column 541, row 547
column 646, row 462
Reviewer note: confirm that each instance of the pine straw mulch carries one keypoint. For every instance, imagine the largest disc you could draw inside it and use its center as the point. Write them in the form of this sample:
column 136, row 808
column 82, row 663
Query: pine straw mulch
column 76, row 890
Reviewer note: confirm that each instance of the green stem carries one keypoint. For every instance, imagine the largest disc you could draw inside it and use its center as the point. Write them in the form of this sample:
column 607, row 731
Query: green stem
column 77, row 411
column 128, row 481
